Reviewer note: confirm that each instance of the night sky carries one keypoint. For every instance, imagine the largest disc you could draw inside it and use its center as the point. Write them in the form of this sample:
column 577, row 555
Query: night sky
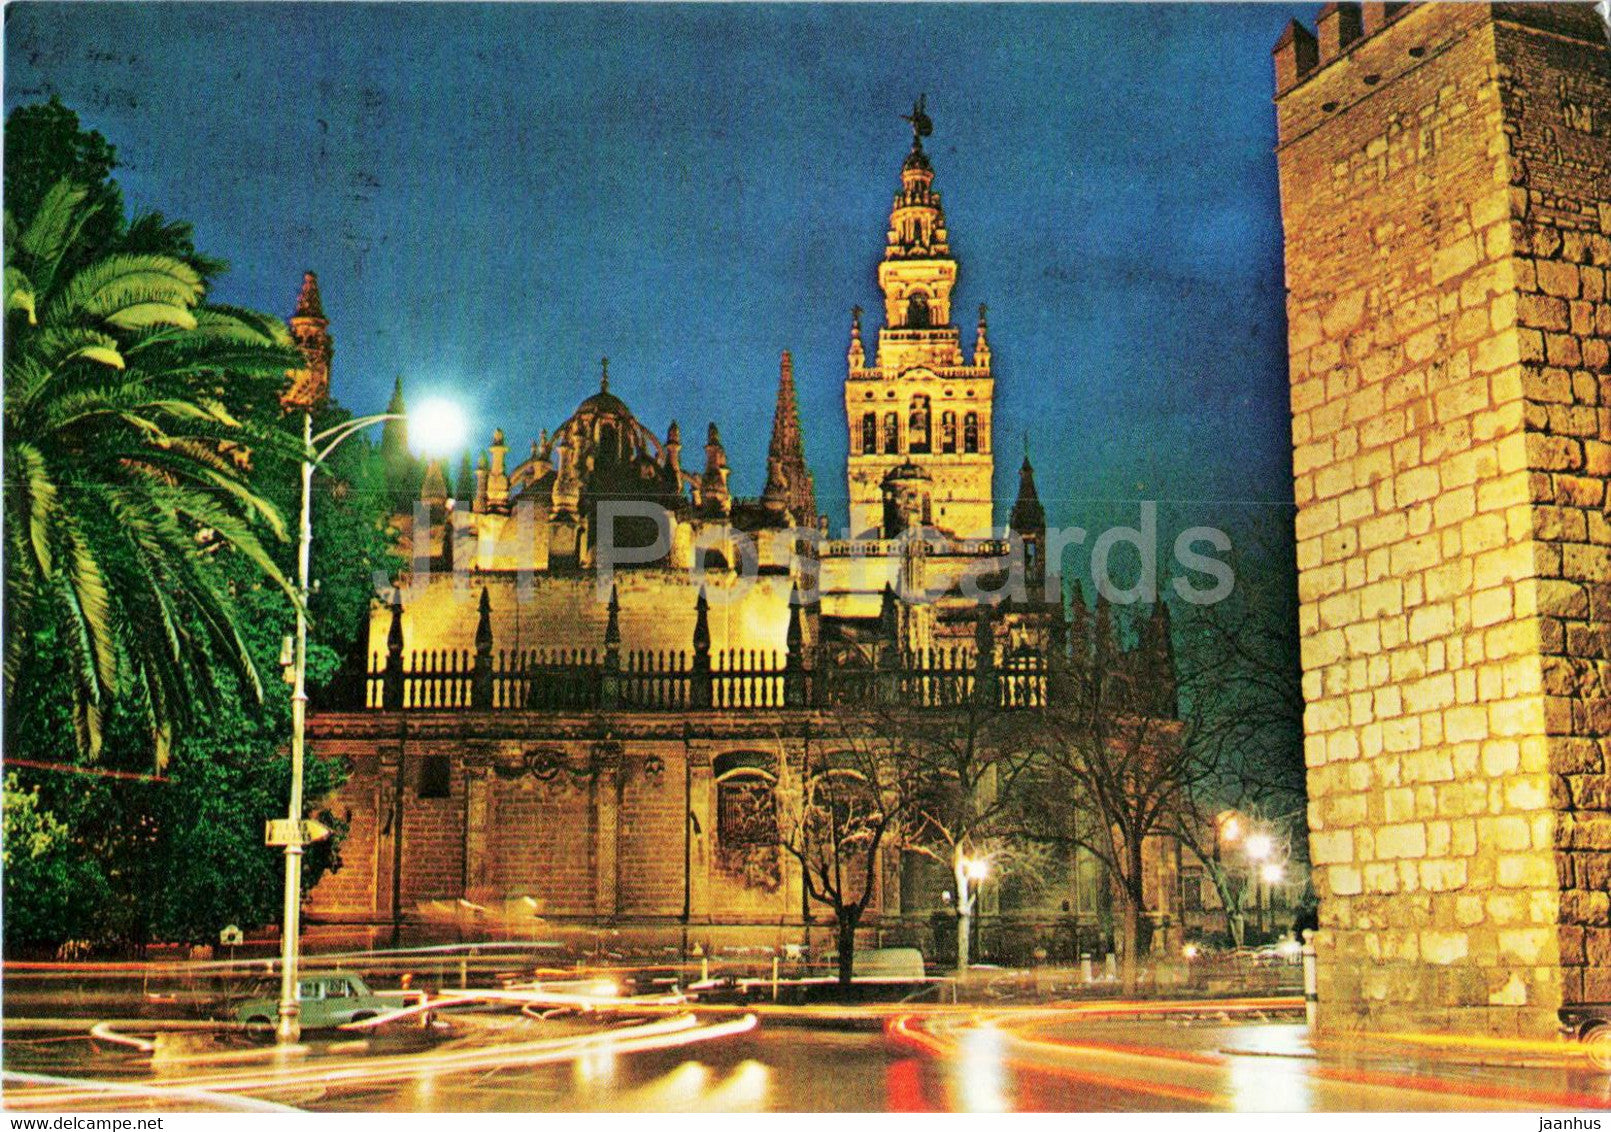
column 496, row 195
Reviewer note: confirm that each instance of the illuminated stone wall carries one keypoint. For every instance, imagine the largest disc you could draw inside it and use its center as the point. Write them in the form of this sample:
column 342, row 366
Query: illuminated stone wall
column 1446, row 193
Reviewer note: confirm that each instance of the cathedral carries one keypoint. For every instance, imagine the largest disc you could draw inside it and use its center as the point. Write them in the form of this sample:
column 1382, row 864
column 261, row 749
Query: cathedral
column 602, row 661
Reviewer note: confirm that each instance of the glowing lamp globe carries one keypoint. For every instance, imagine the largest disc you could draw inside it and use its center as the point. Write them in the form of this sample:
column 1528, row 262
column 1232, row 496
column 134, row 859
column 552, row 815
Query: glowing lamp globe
column 1272, row 874
column 1259, row 846
column 436, row 427
column 978, row 869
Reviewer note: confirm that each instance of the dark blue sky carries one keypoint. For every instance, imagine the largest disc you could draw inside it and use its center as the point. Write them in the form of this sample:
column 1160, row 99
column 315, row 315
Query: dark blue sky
column 495, row 195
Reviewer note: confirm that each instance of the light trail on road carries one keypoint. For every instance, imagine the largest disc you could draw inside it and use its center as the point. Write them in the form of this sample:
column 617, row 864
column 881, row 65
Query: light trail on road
column 1183, row 1076
column 667, row 1033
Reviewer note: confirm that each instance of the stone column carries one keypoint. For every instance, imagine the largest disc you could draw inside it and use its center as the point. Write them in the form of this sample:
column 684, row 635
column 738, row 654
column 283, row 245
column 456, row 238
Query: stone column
column 606, row 828
column 477, row 789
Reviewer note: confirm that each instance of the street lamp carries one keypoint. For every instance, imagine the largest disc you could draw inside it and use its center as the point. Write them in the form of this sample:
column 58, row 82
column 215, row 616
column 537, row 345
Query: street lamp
column 1259, row 846
column 440, row 426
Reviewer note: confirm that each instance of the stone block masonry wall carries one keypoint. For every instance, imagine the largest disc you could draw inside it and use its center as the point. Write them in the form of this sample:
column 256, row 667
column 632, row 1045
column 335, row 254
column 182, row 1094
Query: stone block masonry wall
column 1560, row 151
column 1444, row 183
column 544, row 817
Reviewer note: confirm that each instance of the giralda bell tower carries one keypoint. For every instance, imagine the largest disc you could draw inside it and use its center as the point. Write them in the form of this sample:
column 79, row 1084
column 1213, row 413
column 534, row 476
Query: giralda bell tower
column 919, row 403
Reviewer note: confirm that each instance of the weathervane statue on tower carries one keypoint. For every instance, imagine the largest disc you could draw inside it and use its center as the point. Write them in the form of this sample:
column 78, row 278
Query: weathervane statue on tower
column 922, row 127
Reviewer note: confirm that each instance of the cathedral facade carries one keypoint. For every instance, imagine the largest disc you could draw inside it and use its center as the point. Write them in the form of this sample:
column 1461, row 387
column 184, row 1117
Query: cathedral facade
column 603, row 665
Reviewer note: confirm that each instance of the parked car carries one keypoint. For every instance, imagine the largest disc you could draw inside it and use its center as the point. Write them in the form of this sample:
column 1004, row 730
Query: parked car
column 327, row 1001
column 1590, row 1023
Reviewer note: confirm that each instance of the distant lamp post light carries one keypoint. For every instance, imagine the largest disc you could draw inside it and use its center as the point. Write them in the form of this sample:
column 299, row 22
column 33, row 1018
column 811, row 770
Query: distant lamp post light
column 977, row 868
column 438, row 426
column 1272, row 873
column 1259, row 846
column 1230, row 826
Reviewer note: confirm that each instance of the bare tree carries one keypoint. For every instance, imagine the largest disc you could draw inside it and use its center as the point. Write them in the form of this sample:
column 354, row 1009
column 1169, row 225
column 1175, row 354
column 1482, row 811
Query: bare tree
column 1241, row 697
column 971, row 764
column 1111, row 732
column 848, row 805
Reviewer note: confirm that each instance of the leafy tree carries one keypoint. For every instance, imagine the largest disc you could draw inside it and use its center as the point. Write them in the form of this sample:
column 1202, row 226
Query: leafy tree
column 46, row 145
column 151, row 453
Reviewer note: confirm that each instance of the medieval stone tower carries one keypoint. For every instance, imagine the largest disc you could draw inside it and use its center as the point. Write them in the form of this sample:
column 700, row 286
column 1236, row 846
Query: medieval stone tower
column 1446, row 191
column 310, row 386
column 918, row 403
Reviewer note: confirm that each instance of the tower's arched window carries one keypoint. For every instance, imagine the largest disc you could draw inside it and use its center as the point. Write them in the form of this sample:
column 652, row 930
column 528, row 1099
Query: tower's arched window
column 948, row 431
column 917, row 311
column 917, row 425
column 869, row 434
column 892, row 433
column 970, row 433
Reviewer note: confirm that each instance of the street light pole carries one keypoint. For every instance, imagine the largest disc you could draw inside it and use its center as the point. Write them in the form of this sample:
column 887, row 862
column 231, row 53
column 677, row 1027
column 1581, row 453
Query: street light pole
column 290, row 1028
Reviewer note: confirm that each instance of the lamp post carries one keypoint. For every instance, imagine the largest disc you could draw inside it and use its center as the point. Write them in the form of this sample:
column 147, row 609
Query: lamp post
column 445, row 424
column 1258, row 848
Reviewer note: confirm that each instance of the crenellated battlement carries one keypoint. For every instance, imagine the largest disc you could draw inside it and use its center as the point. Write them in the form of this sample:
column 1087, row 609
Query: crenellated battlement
column 1341, row 30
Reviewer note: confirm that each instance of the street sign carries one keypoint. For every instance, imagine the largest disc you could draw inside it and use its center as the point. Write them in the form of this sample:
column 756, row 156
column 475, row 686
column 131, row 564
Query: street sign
column 284, row 831
column 231, row 936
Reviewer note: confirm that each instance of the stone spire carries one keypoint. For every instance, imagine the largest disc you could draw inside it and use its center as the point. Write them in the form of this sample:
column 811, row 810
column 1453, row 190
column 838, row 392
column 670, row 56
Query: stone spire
column 1158, row 657
column 1028, row 516
column 789, row 483
column 673, row 447
column 498, row 476
column 713, row 485
column 1029, row 524
column 981, row 345
column 434, row 488
column 310, row 386
column 857, row 357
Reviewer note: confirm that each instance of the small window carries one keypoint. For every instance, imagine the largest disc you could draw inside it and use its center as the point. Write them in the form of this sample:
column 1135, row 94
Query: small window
column 970, row 433
column 436, row 777
column 892, row 433
column 948, row 432
column 917, row 428
column 1191, row 890
column 869, row 433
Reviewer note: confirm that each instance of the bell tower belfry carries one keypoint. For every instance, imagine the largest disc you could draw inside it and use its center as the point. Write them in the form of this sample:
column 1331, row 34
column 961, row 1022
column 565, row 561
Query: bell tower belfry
column 919, row 402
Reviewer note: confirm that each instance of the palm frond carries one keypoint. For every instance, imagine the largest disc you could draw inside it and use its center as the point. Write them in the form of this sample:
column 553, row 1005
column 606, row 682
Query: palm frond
column 31, row 476
column 55, row 225
column 116, row 282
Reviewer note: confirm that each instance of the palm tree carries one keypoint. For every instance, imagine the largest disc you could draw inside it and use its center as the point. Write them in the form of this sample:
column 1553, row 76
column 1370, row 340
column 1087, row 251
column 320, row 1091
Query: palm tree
column 125, row 472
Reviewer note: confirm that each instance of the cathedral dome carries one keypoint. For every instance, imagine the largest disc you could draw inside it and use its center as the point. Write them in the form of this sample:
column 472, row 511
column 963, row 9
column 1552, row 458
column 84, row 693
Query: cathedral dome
column 604, row 404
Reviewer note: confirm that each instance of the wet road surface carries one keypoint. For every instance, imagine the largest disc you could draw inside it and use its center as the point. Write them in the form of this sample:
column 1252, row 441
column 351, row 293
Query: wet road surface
column 967, row 1060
